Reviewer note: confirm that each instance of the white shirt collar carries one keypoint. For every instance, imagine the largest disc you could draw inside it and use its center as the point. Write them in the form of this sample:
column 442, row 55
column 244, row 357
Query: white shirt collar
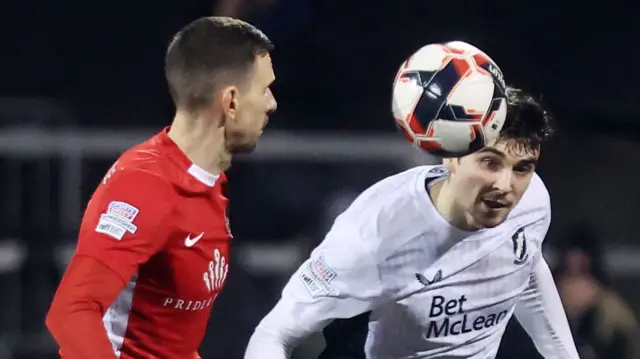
column 202, row 175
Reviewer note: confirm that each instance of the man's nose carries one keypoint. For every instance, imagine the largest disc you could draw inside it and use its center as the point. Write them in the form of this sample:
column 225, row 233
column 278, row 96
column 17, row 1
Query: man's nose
column 503, row 182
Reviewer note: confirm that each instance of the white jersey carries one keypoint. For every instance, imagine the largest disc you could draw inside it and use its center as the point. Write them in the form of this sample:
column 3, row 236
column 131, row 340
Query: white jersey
column 419, row 287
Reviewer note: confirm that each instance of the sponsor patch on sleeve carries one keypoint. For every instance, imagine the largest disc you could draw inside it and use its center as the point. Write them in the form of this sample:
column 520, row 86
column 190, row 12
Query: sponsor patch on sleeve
column 311, row 283
column 118, row 220
column 124, row 210
column 317, row 277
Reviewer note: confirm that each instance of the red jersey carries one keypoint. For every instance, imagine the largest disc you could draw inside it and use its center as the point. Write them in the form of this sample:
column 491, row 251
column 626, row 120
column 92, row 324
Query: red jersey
column 159, row 222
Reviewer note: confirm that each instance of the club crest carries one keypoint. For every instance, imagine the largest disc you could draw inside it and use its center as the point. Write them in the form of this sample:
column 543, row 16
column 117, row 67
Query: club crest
column 520, row 246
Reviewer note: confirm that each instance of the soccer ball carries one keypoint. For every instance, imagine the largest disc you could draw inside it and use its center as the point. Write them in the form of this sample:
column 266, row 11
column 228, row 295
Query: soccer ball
column 449, row 99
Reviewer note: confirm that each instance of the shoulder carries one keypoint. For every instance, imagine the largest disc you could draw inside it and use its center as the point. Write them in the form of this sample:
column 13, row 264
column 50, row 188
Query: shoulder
column 150, row 162
column 538, row 192
column 534, row 210
column 155, row 158
column 139, row 177
column 395, row 188
column 391, row 212
column 133, row 182
column 535, row 202
column 145, row 161
column 616, row 312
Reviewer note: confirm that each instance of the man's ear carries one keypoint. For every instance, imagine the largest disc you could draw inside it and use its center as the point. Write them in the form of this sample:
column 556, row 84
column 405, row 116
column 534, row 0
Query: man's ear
column 450, row 164
column 229, row 101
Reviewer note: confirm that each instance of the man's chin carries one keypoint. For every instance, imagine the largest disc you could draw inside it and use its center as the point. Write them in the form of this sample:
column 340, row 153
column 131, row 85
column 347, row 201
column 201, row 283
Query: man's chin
column 488, row 220
column 243, row 148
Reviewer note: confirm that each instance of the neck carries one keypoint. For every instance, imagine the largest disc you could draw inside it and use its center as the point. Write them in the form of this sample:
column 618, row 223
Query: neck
column 442, row 199
column 201, row 138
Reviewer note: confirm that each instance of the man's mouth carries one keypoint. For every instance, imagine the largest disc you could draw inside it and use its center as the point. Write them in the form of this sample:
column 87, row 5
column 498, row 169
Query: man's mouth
column 494, row 204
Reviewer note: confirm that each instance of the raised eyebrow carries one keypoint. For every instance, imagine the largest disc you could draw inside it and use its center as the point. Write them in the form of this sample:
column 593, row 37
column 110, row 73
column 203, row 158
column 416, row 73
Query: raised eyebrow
column 493, row 151
column 528, row 161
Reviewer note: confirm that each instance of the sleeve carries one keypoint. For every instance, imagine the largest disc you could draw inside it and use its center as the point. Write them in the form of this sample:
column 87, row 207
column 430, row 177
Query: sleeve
column 126, row 222
column 339, row 280
column 75, row 318
column 540, row 310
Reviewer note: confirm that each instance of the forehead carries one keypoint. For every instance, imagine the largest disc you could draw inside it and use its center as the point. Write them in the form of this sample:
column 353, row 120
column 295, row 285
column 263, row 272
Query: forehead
column 263, row 69
column 511, row 150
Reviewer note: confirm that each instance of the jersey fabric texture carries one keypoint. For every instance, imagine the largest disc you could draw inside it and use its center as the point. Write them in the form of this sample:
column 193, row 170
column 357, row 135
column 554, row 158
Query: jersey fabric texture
column 159, row 222
column 393, row 279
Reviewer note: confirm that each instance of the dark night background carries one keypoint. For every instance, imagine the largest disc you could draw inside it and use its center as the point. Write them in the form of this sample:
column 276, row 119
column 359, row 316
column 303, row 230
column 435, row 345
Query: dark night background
column 70, row 67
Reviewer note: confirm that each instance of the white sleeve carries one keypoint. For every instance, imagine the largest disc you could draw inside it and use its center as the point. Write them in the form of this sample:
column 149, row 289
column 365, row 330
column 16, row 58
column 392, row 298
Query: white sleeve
column 339, row 280
column 540, row 310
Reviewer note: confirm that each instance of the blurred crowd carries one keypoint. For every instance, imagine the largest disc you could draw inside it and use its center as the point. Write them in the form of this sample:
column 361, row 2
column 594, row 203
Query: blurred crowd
column 603, row 324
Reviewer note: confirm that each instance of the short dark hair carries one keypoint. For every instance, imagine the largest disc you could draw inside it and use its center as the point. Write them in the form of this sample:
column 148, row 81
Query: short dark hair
column 528, row 123
column 206, row 50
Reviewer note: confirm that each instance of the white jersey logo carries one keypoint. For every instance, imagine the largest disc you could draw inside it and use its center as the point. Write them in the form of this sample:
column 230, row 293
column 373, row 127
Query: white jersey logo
column 426, row 282
column 190, row 242
column 520, row 247
column 110, row 173
column 216, row 275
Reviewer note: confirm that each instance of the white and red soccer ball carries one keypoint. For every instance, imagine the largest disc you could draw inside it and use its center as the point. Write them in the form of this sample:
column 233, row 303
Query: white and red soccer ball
column 449, row 99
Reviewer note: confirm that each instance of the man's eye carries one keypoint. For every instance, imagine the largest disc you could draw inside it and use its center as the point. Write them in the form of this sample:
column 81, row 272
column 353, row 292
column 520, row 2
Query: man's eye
column 490, row 163
column 524, row 169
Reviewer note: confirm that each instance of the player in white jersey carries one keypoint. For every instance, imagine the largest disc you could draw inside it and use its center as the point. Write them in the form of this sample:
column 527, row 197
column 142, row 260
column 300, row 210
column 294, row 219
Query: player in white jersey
column 433, row 262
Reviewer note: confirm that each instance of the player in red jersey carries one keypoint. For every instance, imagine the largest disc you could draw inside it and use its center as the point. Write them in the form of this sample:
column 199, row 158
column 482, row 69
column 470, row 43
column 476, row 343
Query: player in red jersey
column 153, row 247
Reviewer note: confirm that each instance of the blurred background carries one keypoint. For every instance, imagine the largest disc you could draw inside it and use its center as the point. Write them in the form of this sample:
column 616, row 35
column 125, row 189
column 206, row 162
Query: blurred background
column 81, row 81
